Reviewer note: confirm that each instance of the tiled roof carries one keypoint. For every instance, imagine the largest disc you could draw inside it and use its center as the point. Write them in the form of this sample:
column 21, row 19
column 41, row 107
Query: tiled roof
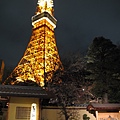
column 24, row 91
column 98, row 106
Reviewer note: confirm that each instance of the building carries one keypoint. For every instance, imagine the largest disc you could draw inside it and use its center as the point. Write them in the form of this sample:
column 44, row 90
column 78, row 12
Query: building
column 24, row 102
column 103, row 111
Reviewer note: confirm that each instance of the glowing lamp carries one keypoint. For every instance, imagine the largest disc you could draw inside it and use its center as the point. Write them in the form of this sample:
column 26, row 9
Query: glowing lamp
column 33, row 112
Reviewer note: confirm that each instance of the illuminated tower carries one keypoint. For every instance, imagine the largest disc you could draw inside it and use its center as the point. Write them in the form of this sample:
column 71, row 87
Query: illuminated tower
column 41, row 58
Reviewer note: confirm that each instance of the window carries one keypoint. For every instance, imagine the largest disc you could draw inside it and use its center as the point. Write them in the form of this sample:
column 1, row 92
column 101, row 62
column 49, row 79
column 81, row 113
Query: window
column 23, row 112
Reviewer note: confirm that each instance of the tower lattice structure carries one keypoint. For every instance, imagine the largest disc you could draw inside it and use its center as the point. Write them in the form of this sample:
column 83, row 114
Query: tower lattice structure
column 41, row 58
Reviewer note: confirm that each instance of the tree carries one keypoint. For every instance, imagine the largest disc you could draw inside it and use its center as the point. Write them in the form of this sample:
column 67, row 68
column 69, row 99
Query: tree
column 68, row 85
column 66, row 92
column 85, row 117
column 103, row 61
column 74, row 65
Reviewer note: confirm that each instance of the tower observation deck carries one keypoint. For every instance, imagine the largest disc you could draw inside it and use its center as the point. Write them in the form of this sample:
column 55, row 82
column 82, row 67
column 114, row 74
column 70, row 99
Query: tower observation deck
column 41, row 58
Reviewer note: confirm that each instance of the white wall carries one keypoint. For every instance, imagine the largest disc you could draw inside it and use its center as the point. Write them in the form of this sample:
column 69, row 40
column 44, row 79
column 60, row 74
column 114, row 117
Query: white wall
column 21, row 102
column 52, row 113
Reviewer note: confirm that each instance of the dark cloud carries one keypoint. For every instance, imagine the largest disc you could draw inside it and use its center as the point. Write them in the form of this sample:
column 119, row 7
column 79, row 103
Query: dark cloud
column 79, row 21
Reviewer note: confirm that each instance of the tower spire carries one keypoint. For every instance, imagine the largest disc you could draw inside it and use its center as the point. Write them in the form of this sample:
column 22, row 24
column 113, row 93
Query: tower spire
column 42, row 3
column 45, row 5
column 41, row 58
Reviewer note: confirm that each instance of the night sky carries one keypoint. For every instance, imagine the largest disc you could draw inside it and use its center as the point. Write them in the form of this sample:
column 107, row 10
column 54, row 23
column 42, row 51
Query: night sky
column 79, row 21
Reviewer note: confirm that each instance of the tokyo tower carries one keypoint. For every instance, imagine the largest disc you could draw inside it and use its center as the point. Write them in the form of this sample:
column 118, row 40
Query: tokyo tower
column 41, row 58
